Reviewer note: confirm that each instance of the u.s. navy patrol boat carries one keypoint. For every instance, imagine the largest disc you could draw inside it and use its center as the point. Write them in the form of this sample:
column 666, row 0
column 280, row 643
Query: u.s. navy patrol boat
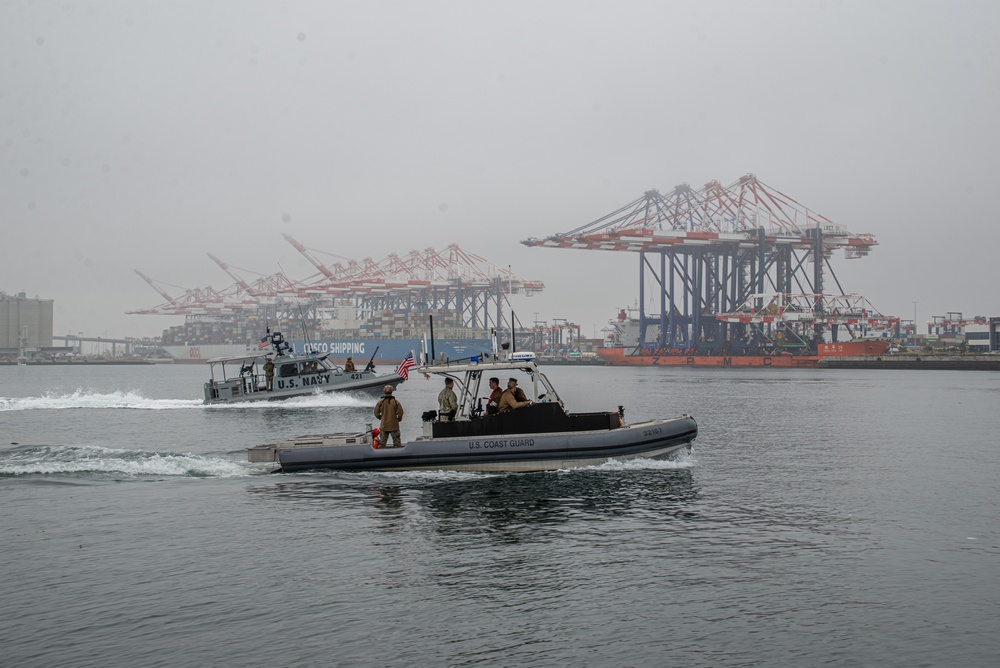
column 295, row 375
column 536, row 437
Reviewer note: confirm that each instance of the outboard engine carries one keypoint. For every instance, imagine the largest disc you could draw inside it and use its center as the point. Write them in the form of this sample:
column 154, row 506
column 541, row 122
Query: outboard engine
column 428, row 423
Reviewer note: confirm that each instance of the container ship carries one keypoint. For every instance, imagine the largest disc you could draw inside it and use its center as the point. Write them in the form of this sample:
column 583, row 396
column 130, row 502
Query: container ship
column 386, row 338
column 385, row 351
column 622, row 348
column 646, row 357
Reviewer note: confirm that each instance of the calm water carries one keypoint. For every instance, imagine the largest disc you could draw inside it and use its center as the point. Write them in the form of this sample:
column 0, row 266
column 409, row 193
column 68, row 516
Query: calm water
column 835, row 518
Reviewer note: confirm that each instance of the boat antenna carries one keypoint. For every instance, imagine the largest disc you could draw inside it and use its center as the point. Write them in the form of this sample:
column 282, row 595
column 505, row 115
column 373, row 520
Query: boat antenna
column 513, row 338
column 305, row 335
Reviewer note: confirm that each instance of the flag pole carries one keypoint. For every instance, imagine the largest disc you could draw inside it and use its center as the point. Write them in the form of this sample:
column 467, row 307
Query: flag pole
column 431, row 318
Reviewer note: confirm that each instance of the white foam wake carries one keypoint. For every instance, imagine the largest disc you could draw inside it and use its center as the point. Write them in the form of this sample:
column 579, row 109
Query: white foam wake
column 58, row 459
column 133, row 399
column 682, row 460
column 326, row 400
column 82, row 398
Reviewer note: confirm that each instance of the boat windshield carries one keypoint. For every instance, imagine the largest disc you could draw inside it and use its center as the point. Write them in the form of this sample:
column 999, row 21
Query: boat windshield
column 304, row 367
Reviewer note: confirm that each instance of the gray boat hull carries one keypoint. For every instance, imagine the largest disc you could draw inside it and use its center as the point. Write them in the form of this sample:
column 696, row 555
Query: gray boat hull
column 320, row 383
column 514, row 452
column 245, row 378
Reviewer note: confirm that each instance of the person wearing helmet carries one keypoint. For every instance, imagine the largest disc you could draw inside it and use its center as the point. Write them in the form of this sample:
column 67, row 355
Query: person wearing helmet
column 389, row 412
column 269, row 373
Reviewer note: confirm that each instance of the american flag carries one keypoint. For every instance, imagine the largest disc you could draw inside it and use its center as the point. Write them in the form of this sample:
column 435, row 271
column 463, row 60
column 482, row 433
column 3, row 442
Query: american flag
column 263, row 343
column 404, row 367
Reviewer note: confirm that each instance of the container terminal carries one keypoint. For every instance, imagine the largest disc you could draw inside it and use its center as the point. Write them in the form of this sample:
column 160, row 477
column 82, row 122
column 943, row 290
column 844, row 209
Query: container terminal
column 736, row 275
column 741, row 275
column 443, row 302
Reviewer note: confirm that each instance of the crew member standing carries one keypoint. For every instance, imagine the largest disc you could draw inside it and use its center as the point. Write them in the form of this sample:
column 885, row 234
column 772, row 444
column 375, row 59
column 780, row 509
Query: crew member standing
column 349, row 365
column 389, row 412
column 447, row 401
column 269, row 373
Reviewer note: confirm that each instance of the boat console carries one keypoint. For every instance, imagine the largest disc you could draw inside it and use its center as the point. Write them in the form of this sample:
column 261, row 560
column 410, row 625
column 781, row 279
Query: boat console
column 538, row 418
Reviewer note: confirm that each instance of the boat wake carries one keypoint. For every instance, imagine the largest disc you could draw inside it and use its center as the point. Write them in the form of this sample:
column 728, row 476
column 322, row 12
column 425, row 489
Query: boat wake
column 682, row 460
column 326, row 400
column 82, row 398
column 132, row 399
column 115, row 463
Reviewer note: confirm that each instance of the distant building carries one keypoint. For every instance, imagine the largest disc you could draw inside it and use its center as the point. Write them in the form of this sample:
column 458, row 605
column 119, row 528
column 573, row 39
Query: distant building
column 25, row 324
column 953, row 330
column 977, row 337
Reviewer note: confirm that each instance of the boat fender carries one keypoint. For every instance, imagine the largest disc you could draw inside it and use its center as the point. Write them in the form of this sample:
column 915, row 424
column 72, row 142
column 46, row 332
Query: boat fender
column 375, row 433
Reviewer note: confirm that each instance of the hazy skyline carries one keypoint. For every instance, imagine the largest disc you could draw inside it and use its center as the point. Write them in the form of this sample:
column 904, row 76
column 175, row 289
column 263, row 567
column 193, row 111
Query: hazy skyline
column 144, row 136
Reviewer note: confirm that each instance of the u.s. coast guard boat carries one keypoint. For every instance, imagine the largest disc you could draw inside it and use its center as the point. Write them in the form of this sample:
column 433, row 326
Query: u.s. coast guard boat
column 242, row 378
column 536, row 437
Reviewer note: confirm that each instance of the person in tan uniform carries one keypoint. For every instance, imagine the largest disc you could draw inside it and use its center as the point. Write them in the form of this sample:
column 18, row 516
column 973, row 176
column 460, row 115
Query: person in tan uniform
column 518, row 392
column 269, row 374
column 349, row 365
column 509, row 400
column 389, row 412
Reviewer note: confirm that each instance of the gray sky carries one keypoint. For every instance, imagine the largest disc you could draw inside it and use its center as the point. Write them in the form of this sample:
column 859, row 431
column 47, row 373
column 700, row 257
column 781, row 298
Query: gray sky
column 145, row 135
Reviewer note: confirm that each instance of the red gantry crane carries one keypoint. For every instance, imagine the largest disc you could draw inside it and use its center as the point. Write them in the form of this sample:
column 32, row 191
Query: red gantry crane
column 453, row 280
column 708, row 252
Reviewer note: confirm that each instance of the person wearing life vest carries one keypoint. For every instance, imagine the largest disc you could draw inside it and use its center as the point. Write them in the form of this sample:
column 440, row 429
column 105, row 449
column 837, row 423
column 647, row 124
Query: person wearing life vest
column 493, row 404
